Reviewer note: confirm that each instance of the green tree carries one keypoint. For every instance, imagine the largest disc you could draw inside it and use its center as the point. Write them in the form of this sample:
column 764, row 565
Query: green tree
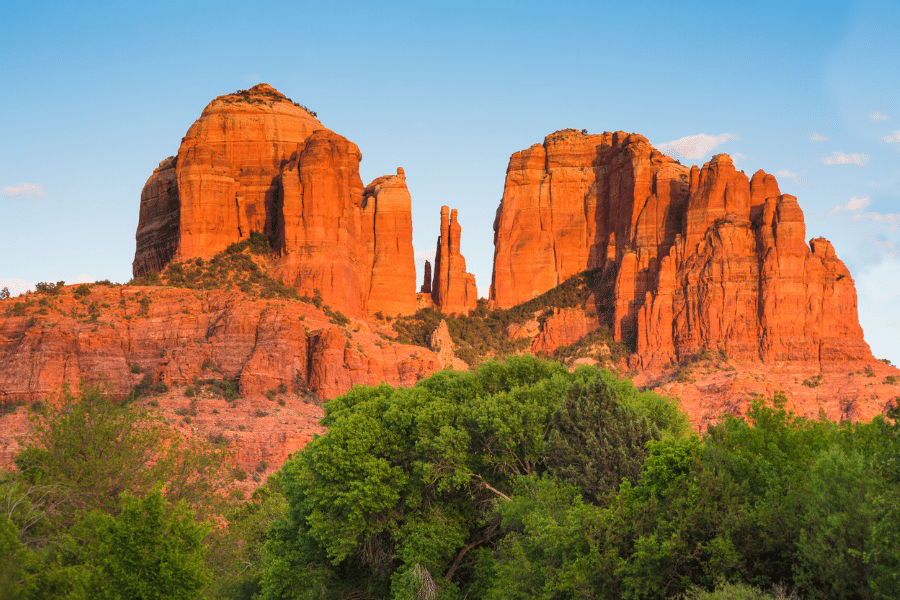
column 150, row 551
column 595, row 440
column 85, row 450
column 405, row 480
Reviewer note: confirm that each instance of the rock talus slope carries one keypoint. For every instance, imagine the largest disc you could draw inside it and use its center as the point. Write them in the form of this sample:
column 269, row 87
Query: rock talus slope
column 697, row 259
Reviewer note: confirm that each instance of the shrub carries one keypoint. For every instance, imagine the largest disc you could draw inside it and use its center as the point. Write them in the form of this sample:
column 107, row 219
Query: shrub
column 813, row 382
column 135, row 369
column 239, row 474
column 82, row 290
column 891, row 380
column 51, row 289
column 145, row 306
column 189, row 391
column 260, row 413
column 224, row 388
column 17, row 310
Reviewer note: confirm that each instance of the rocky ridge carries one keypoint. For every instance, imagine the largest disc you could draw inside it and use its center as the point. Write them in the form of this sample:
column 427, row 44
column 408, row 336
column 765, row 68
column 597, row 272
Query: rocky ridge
column 695, row 258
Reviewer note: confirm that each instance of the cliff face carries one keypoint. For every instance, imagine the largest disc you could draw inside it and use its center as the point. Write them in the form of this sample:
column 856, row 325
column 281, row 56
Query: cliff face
column 256, row 162
column 390, row 261
column 177, row 335
column 453, row 290
column 700, row 258
column 159, row 221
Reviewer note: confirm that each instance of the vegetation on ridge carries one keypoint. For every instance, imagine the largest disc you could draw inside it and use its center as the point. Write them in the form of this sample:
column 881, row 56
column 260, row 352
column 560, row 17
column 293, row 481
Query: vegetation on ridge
column 482, row 334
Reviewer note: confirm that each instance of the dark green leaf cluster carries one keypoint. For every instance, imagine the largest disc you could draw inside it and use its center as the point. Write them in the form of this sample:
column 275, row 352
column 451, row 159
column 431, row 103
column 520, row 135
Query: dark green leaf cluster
column 50, row 289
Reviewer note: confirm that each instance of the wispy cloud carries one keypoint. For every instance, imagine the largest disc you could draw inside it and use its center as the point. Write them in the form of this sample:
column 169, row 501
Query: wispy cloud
column 893, row 138
column 785, row 174
column 892, row 219
column 694, row 146
column 877, row 116
column 24, row 190
column 855, row 205
column 839, row 158
column 16, row 287
column 817, row 137
column 889, row 245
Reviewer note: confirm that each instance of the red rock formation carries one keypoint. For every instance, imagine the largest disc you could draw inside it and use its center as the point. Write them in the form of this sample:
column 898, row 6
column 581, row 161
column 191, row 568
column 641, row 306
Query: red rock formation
column 159, row 220
column 320, row 233
column 453, row 290
column 262, row 344
column 577, row 198
column 227, row 164
column 565, row 326
column 426, row 281
column 702, row 258
column 255, row 161
column 391, row 264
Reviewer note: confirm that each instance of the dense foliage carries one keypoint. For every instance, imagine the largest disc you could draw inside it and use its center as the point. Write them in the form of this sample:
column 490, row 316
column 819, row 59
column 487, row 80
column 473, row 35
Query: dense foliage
column 522, row 480
column 405, row 485
column 519, row 480
column 103, row 504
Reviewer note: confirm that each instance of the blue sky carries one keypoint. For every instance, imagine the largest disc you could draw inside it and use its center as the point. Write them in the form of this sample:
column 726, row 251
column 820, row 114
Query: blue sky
column 96, row 94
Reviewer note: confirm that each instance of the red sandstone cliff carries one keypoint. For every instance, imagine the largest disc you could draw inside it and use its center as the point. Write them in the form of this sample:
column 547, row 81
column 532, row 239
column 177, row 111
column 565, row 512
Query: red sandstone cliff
column 700, row 258
column 453, row 290
column 391, row 264
column 177, row 335
column 255, row 161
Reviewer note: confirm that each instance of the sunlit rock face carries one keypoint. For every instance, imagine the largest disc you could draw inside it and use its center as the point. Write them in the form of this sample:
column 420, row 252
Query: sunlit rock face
column 693, row 258
column 256, row 162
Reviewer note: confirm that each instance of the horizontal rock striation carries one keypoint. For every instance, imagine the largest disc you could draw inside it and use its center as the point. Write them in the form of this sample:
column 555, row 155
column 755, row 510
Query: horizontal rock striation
column 177, row 335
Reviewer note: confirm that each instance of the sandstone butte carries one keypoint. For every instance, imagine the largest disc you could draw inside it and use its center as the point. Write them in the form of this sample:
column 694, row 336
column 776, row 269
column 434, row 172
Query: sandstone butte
column 256, row 162
column 704, row 272
column 688, row 259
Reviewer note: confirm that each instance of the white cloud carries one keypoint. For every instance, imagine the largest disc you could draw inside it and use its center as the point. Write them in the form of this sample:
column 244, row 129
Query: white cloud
column 889, row 245
column 16, row 287
column 24, row 189
column 877, row 116
column 857, row 203
column 784, row 173
column 694, row 146
column 893, row 138
column 83, row 279
column 817, row 137
column 839, row 158
column 893, row 219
